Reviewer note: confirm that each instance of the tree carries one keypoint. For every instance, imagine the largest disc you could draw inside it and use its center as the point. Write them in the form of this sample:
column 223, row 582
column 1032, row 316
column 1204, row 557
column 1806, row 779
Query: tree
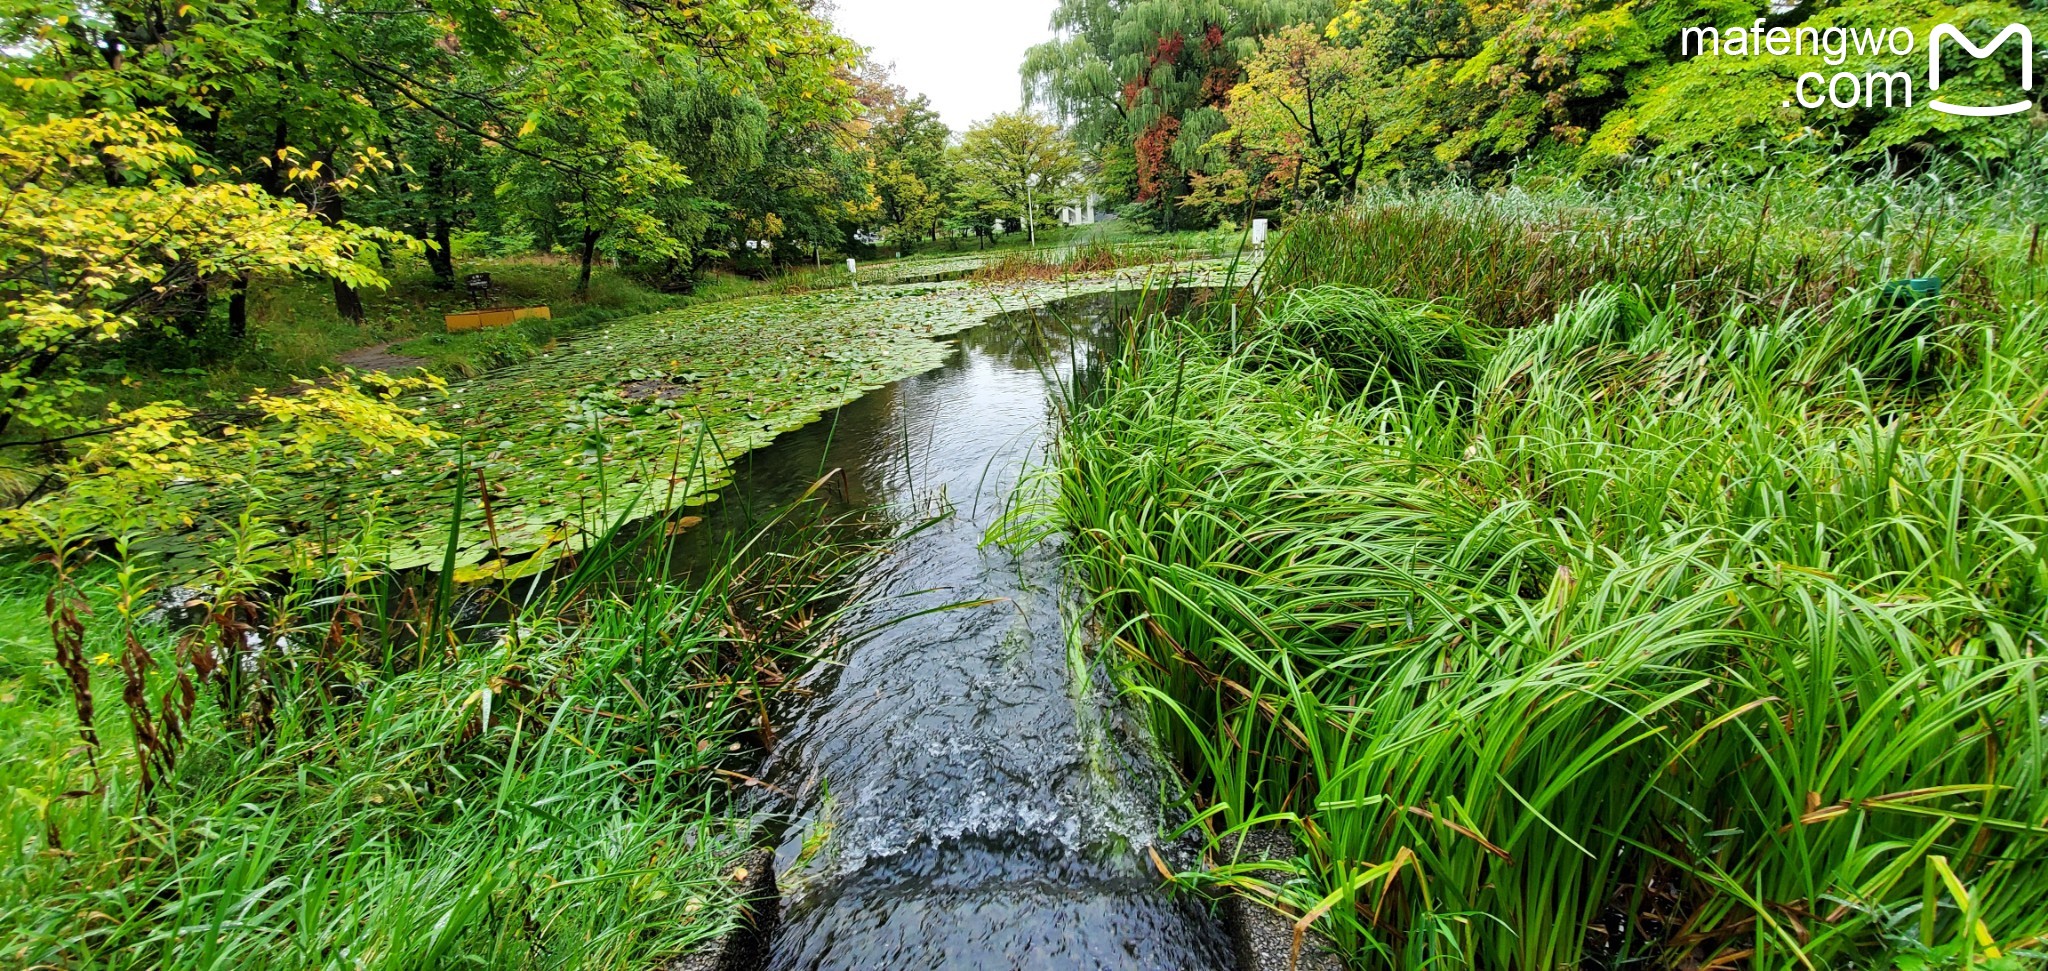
column 998, row 160
column 106, row 217
column 1681, row 106
column 720, row 137
column 1582, row 85
column 276, row 121
column 583, row 163
column 241, row 83
column 1300, row 124
column 913, row 173
column 1155, row 75
column 813, row 189
column 583, row 157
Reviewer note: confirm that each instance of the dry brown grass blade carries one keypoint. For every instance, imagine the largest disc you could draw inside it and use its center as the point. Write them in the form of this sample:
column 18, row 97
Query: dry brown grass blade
column 754, row 783
column 1464, row 831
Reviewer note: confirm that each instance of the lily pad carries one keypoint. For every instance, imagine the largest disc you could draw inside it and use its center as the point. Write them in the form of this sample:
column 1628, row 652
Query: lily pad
column 640, row 418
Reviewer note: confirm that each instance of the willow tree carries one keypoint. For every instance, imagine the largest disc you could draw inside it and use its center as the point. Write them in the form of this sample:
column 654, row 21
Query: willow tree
column 1150, row 78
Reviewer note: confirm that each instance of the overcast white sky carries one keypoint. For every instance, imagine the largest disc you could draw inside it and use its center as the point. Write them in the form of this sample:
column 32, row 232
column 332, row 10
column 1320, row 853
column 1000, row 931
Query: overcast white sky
column 963, row 53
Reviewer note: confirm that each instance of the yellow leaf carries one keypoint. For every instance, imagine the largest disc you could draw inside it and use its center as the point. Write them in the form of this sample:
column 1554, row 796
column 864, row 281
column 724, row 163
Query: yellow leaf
column 527, row 129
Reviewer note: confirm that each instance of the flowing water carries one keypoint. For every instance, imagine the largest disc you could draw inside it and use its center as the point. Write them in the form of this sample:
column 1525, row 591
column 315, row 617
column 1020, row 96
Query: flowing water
column 966, row 793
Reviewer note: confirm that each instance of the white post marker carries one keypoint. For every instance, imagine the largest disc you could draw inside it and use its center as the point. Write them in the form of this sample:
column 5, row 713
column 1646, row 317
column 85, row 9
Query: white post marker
column 1259, row 230
column 853, row 270
column 1031, row 218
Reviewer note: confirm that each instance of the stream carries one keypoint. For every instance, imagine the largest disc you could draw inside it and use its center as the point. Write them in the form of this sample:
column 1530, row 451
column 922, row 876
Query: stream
column 967, row 791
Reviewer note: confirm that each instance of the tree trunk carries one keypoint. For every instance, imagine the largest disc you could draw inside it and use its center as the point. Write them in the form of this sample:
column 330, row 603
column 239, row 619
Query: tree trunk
column 348, row 302
column 590, row 237
column 238, row 310
column 189, row 310
column 442, row 255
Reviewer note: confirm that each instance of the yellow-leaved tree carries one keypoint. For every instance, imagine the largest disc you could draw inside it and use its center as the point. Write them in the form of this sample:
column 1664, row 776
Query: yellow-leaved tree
column 105, row 220
column 107, row 217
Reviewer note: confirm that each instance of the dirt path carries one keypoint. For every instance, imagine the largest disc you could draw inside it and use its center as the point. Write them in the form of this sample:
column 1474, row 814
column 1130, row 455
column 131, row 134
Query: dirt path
column 378, row 357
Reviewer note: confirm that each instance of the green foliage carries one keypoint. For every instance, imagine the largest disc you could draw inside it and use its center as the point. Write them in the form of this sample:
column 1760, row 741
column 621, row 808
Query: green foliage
column 1010, row 160
column 1301, row 125
column 1601, row 83
column 1429, row 89
column 105, row 218
column 354, row 788
column 1730, row 103
column 273, row 120
column 913, row 172
column 1153, row 76
column 1666, row 631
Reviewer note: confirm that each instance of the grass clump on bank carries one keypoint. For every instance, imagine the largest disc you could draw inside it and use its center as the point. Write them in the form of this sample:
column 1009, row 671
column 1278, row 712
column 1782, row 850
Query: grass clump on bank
column 1653, row 631
column 1098, row 253
column 346, row 769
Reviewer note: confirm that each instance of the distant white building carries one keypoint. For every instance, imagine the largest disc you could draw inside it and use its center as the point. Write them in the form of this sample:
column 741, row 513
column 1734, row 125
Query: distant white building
column 1084, row 214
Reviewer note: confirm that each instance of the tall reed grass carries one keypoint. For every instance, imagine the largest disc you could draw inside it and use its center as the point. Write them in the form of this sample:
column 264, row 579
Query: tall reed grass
column 1667, row 627
column 407, row 775
column 1706, row 238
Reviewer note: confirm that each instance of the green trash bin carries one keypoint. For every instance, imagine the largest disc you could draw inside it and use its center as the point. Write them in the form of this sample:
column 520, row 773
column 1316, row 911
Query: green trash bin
column 1912, row 293
column 1906, row 320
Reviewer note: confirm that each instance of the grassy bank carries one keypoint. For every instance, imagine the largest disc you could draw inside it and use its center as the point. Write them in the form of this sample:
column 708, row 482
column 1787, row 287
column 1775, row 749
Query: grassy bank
column 295, row 332
column 1623, row 607
column 374, row 774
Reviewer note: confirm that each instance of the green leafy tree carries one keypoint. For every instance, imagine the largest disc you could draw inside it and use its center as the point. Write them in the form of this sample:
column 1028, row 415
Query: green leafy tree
column 106, row 217
column 582, row 156
column 721, row 139
column 1012, row 159
column 244, row 83
column 814, row 188
column 582, row 161
column 913, row 173
column 1679, row 106
column 1301, row 124
column 1582, row 85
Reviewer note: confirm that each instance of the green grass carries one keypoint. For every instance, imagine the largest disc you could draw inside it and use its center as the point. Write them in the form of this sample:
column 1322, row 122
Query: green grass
column 1514, row 258
column 1659, row 624
column 391, row 786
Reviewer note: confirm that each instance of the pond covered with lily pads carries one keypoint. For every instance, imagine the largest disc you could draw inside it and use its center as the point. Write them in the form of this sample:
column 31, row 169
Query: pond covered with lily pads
column 642, row 417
